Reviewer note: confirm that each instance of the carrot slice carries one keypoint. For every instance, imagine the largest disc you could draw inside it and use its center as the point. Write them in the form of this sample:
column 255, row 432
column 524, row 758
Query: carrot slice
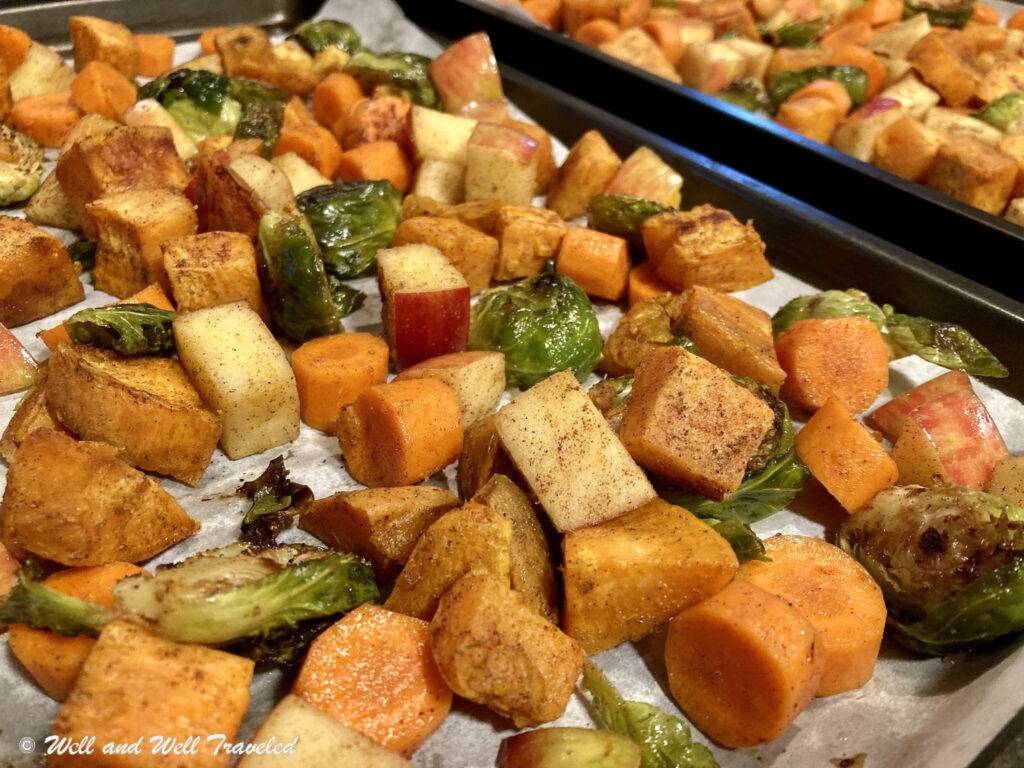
column 47, row 118
column 377, row 160
column 827, row 89
column 101, row 89
column 598, row 262
column 156, row 54
column 811, row 116
column 985, row 14
column 859, row 56
column 1016, row 21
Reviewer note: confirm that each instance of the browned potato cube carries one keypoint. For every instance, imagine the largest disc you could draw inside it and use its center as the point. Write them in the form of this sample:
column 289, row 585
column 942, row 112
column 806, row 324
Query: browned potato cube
column 37, row 276
column 95, row 39
column 532, row 574
column 30, row 414
column 908, row 148
column 76, row 503
column 689, row 422
column 625, row 577
column 974, row 173
column 938, row 62
column 131, row 227
column 380, row 524
column 211, row 269
column 732, row 334
column 135, row 684
column 492, row 649
column 122, row 159
column 471, row 252
column 705, row 246
column 647, row 325
column 636, row 47
column 587, row 169
column 145, row 407
column 527, row 237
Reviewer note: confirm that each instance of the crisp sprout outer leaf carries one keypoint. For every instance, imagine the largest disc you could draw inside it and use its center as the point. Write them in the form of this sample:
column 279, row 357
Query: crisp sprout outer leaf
column 32, row 603
column 275, row 501
column 130, row 329
column 744, row 542
column 834, row 303
column 945, row 344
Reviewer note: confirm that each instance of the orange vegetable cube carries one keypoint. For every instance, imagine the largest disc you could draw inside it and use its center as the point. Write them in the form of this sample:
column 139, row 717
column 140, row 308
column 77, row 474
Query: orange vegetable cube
column 377, row 160
column 811, row 116
column 598, row 262
column 156, row 54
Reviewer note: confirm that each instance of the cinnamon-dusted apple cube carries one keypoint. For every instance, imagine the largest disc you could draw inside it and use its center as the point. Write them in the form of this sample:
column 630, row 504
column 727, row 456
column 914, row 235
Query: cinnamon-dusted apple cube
column 232, row 193
column 122, row 159
column 501, row 164
column 705, row 246
column 936, row 59
column 644, row 174
column 908, row 148
column 424, row 303
column 95, row 39
column 949, row 440
column 545, row 156
column 859, row 132
column 916, row 97
column 636, row 47
column 211, row 269
column 974, row 173
column 37, row 276
column 689, row 422
column 42, row 71
column 895, row 41
column 440, row 180
column 478, row 379
column 711, row 66
column 569, row 456
column 470, row 251
column 756, row 56
column 135, row 684
column 380, row 524
column 527, row 237
column 145, row 407
column 588, row 168
column 440, row 136
column 732, row 334
column 131, row 226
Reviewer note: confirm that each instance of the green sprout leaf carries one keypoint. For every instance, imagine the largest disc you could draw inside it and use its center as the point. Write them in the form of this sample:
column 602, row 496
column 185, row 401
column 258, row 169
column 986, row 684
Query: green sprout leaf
column 32, row 603
column 944, row 344
column 130, row 329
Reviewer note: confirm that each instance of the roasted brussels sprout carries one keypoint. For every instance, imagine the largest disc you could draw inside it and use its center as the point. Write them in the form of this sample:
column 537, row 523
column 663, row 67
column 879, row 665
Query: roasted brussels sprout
column 748, row 94
column 131, row 329
column 941, row 13
column 950, row 562
column 276, row 500
column 827, row 304
column 782, row 85
column 1003, row 112
column 294, row 278
column 404, row 74
column 262, row 111
column 780, row 437
column 647, row 324
column 40, row 607
column 543, row 325
column 198, row 100
column 21, row 166
column 316, row 36
column 944, row 344
column 622, row 216
column 352, row 220
column 797, row 34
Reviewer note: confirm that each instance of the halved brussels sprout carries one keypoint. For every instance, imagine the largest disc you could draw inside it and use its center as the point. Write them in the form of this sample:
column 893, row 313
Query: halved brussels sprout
column 941, row 13
column 782, row 85
column 622, row 216
column 316, row 36
column 827, row 304
column 404, row 74
column 1003, row 112
column 21, row 166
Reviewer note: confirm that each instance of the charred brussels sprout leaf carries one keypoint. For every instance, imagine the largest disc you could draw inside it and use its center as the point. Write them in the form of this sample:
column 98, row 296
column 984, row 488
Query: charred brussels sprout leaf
column 1003, row 112
column 346, row 299
column 198, row 100
column 262, row 111
column 316, row 36
column 780, row 437
column 782, row 85
column 622, row 216
column 283, row 647
column 404, row 74
column 223, row 595
column 665, row 741
column 275, row 501
column 798, row 34
column 748, row 94
column 131, row 329
column 944, row 344
column 827, row 304
column 744, row 542
column 83, row 252
column 941, row 13
column 40, row 607
column 352, row 220
column 294, row 278
column 543, row 325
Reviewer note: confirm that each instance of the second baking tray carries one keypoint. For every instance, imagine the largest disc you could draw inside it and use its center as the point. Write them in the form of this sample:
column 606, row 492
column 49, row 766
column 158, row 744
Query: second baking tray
column 944, row 231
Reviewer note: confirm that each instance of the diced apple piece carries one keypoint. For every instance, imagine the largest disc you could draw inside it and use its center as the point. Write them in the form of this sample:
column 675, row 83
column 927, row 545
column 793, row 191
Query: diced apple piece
column 478, row 379
column 425, row 303
column 756, row 56
column 441, row 180
column 896, row 40
column 18, row 369
column 1007, row 480
column 889, row 418
column 954, row 124
column 486, row 111
column 501, row 164
column 439, row 136
column 644, row 174
column 152, row 112
column 858, row 133
column 564, row 747
column 710, row 67
column 916, row 97
column 949, row 440
column 467, row 72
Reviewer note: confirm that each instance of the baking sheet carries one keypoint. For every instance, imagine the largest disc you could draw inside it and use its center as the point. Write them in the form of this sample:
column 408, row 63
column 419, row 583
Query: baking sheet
column 914, row 713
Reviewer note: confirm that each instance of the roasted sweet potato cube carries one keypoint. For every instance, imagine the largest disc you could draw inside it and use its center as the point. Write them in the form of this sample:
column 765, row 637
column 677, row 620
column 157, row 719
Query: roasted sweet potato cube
column 470, row 251
column 812, row 116
column 380, row 524
column 145, row 407
column 908, row 148
column 587, row 169
column 527, row 237
column 705, row 246
column 626, row 576
column 689, row 422
column 135, row 684
column 974, row 173
column 1006, row 76
column 95, row 39
column 211, row 269
column 131, row 227
column 122, row 159
column 636, row 47
column 732, row 334
column 936, row 59
column 37, row 276
column 76, row 503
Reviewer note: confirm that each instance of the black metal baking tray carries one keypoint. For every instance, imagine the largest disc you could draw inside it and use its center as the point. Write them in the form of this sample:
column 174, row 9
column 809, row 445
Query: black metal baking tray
column 947, row 232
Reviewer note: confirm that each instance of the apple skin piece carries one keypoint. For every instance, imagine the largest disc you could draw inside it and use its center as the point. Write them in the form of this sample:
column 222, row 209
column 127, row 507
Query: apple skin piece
column 888, row 419
column 485, row 111
column 501, row 164
column 18, row 369
column 467, row 72
column 644, row 174
column 950, row 440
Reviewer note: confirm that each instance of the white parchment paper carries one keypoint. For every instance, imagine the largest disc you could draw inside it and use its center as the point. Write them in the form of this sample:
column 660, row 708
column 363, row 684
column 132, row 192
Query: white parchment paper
column 914, row 713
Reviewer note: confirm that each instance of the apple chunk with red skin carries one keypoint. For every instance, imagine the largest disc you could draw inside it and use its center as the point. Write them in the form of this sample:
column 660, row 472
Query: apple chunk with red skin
column 425, row 303
column 467, row 72
column 501, row 164
column 18, row 369
column 888, row 419
column 949, row 440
